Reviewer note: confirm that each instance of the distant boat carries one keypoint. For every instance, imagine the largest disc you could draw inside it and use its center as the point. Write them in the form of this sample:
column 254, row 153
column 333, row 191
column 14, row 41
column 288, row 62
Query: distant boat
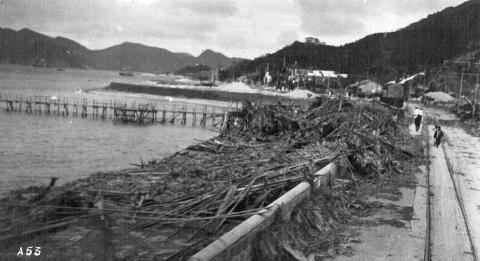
column 78, row 90
column 126, row 74
column 61, row 69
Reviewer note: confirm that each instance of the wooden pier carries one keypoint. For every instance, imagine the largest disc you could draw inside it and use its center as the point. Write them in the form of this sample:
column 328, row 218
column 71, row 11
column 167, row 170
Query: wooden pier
column 119, row 112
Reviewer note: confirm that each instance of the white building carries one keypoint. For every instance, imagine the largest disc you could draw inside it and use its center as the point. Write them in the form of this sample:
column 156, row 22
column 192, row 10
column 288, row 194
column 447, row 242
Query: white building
column 326, row 74
column 313, row 40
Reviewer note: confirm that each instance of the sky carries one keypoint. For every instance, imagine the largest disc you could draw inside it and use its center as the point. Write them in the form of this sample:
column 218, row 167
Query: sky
column 237, row 28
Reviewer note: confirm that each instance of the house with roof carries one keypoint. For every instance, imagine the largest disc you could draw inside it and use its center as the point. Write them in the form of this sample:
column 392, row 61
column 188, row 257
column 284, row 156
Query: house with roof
column 365, row 88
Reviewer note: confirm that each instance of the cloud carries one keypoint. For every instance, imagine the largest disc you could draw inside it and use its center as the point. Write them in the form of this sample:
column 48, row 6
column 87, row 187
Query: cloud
column 47, row 12
column 231, row 41
column 401, row 7
column 332, row 17
column 332, row 25
column 338, row 21
column 118, row 18
column 287, row 37
column 246, row 28
column 210, row 7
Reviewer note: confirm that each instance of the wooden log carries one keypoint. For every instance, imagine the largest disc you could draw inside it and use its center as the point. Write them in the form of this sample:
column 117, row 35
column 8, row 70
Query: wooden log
column 223, row 207
column 381, row 139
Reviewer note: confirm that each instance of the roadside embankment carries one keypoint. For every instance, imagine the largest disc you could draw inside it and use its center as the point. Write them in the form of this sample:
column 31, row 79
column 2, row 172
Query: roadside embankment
column 171, row 208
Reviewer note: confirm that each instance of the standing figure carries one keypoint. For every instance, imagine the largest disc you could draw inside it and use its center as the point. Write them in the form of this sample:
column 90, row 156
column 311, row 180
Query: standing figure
column 418, row 114
column 437, row 135
column 267, row 79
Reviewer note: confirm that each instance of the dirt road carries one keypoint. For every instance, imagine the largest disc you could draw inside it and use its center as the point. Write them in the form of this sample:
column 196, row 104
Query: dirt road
column 389, row 235
column 451, row 228
column 455, row 190
column 449, row 238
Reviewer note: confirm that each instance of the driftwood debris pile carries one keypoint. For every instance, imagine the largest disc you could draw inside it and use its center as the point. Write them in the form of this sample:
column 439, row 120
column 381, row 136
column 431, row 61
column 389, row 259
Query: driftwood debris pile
column 211, row 186
column 365, row 134
column 465, row 111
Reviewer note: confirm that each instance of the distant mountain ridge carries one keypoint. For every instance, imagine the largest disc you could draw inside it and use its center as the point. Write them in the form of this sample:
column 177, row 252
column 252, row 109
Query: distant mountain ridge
column 27, row 47
column 424, row 44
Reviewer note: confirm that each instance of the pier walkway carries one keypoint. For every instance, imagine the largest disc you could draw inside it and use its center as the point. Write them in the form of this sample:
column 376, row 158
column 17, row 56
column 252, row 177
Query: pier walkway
column 142, row 113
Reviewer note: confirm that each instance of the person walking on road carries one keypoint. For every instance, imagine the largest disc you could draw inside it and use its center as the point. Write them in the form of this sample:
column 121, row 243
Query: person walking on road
column 418, row 114
column 437, row 135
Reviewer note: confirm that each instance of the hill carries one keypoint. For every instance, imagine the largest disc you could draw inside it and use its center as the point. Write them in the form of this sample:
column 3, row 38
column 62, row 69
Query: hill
column 446, row 78
column 138, row 57
column 426, row 43
column 216, row 59
column 28, row 47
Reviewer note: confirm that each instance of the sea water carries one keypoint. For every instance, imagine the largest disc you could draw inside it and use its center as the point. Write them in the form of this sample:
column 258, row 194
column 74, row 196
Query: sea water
column 35, row 147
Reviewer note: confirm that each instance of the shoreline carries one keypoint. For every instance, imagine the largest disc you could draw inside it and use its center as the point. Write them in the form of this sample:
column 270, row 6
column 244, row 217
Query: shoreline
column 156, row 98
column 198, row 179
column 203, row 93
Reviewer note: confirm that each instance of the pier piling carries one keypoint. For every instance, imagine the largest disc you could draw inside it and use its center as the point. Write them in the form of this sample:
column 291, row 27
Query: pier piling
column 119, row 112
column 164, row 117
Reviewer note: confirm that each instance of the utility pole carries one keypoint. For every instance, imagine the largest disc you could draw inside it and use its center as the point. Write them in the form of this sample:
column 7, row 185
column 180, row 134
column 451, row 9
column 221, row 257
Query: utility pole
column 424, row 79
column 476, row 91
column 328, row 85
column 463, row 72
column 460, row 92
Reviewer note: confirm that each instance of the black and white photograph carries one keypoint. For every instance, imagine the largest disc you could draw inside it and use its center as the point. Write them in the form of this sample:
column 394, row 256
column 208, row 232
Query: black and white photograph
column 248, row 130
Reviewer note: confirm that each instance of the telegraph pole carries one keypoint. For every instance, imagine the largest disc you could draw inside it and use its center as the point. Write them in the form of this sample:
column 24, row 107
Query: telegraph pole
column 461, row 79
column 460, row 92
column 424, row 77
column 476, row 91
